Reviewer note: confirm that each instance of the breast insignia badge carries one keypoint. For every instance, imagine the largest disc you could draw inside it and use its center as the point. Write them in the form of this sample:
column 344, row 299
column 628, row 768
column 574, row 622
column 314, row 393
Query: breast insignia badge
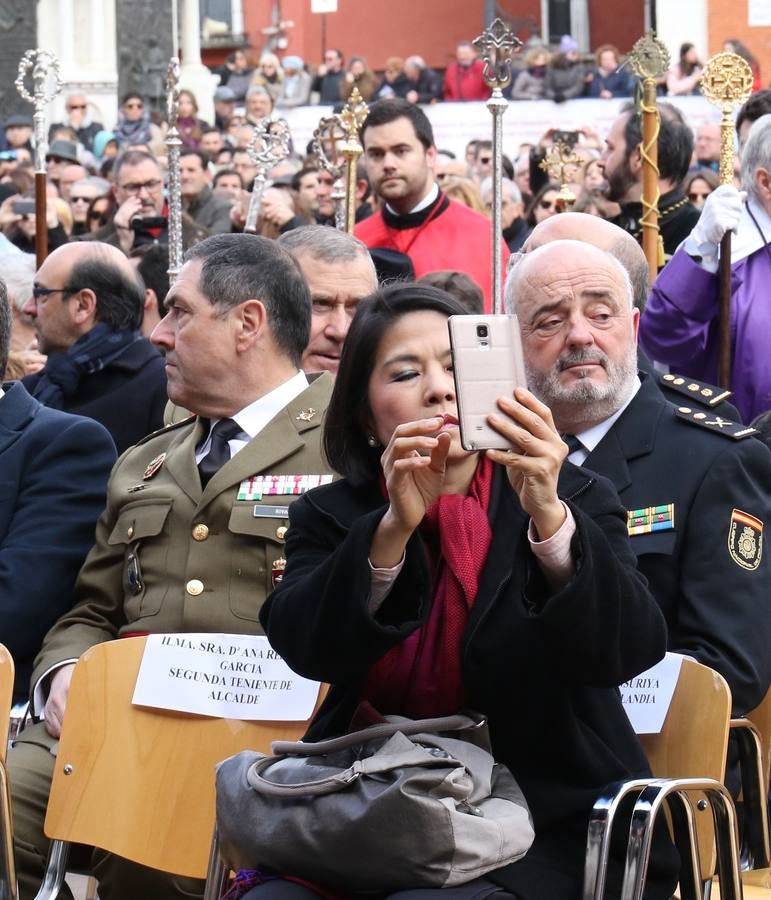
column 745, row 540
column 305, row 415
column 154, row 466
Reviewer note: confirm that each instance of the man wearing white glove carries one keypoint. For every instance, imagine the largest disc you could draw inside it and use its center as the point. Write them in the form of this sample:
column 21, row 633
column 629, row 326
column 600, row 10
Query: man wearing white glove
column 680, row 323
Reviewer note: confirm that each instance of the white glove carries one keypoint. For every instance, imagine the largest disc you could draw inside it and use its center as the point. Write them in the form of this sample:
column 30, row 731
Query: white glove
column 721, row 213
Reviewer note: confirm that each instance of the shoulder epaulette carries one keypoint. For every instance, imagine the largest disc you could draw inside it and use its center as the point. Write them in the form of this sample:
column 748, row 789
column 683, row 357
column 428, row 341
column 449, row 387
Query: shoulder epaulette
column 172, row 427
column 726, row 427
column 696, row 391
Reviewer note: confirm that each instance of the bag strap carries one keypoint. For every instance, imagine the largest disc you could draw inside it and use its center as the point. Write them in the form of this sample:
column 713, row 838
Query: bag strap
column 375, row 732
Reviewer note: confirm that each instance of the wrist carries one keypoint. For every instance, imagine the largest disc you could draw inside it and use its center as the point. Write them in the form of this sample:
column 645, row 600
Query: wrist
column 549, row 519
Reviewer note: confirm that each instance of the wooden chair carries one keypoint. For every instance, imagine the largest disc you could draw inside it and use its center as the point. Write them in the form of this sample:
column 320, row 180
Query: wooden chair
column 687, row 757
column 139, row 782
column 8, row 890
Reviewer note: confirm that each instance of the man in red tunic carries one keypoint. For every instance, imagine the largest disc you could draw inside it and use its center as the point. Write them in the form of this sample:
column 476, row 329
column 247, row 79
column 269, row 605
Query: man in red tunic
column 463, row 79
column 416, row 219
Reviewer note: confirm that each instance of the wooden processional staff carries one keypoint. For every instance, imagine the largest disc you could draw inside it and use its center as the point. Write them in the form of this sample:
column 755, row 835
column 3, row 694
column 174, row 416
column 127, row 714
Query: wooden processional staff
column 497, row 44
column 649, row 60
column 46, row 86
column 726, row 81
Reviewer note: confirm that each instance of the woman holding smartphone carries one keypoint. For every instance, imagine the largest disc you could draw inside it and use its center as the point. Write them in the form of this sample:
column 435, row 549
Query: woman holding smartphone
column 431, row 579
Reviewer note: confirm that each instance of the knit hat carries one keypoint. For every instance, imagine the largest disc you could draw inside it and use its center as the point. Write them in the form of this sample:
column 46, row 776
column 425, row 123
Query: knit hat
column 568, row 44
column 101, row 140
column 293, row 62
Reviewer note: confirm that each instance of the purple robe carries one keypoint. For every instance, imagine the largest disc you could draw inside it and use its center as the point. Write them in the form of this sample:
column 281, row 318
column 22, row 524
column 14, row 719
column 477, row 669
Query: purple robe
column 680, row 325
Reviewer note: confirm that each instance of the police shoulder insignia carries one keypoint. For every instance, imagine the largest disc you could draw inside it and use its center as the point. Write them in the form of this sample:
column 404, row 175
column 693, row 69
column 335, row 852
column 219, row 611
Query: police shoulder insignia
column 698, row 391
column 711, row 422
column 745, row 540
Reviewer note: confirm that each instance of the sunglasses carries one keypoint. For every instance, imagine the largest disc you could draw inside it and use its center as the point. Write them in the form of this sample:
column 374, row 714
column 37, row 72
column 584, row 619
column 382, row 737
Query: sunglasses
column 546, row 204
column 77, row 106
column 696, row 195
column 485, row 160
column 80, row 199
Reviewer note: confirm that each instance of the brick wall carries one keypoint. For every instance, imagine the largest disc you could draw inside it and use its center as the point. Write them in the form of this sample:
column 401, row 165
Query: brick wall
column 728, row 19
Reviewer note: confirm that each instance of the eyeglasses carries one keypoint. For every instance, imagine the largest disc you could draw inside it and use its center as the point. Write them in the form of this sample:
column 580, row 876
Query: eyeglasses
column 134, row 105
column 696, row 195
column 57, row 159
column 42, row 293
column 546, row 204
column 85, row 200
column 134, row 187
column 485, row 160
column 77, row 106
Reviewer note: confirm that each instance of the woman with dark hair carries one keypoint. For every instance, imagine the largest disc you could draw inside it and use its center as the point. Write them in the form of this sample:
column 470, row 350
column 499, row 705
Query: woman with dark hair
column 685, row 75
column 189, row 125
column 543, row 205
column 700, row 185
column 431, row 578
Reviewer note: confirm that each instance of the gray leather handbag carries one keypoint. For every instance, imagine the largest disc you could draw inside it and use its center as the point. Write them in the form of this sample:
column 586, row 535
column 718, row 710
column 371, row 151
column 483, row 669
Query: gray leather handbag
column 394, row 806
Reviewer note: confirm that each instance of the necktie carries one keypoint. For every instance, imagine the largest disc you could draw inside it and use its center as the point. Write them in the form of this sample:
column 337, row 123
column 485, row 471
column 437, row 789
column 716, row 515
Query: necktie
column 219, row 452
column 573, row 443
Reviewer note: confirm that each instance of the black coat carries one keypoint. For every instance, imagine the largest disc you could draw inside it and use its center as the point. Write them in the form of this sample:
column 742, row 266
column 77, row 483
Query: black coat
column 716, row 610
column 128, row 396
column 544, row 669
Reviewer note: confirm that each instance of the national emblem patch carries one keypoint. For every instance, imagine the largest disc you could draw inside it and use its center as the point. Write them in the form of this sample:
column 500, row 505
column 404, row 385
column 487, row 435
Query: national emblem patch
column 745, row 540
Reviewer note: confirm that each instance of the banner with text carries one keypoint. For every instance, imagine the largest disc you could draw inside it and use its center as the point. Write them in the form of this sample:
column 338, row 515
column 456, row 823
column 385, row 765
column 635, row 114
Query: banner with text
column 229, row 676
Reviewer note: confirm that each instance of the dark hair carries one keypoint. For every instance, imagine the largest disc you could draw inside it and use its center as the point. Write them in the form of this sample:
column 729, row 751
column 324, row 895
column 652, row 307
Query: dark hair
column 240, row 267
column 383, row 112
column 5, row 327
column 529, row 213
column 227, row 172
column 763, row 424
column 153, row 267
column 675, row 145
column 458, row 285
column 347, row 418
column 759, row 104
column 686, row 68
column 132, row 95
column 189, row 151
column 298, row 176
column 133, row 158
column 119, row 297
column 109, row 212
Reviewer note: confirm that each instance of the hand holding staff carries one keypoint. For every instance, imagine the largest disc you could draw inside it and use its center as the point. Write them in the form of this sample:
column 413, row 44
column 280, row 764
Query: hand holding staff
column 726, row 81
column 47, row 84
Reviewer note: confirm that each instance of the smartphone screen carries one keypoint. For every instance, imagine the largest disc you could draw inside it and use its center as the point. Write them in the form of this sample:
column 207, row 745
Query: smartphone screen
column 488, row 363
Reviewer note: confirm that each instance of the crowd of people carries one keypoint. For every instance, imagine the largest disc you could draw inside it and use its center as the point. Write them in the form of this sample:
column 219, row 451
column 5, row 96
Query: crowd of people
column 413, row 575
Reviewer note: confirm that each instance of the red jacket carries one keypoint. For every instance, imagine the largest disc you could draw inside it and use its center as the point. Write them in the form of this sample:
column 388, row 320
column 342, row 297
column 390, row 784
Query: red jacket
column 465, row 83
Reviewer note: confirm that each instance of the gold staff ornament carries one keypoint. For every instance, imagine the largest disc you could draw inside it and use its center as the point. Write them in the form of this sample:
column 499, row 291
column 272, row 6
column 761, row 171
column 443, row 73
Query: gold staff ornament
column 555, row 164
column 268, row 145
column 46, row 86
column 328, row 139
column 726, row 81
column 649, row 60
column 352, row 118
column 497, row 44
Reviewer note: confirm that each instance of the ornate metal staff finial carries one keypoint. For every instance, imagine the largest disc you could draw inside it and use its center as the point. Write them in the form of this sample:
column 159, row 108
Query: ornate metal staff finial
column 173, row 146
column 649, row 58
column 268, row 145
column 352, row 118
column 555, row 163
column 726, row 81
column 46, row 86
column 497, row 44
column 328, row 139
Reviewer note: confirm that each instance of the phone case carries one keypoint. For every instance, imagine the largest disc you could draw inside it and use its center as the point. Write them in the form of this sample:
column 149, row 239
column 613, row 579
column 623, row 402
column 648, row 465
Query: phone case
column 488, row 363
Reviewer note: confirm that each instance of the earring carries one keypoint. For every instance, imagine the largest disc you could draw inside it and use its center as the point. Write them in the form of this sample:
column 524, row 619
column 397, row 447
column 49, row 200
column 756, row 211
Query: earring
column 372, row 440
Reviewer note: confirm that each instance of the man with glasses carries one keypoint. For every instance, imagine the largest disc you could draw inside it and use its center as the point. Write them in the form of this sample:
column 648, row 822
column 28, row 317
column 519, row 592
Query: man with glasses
column 87, row 305
column 329, row 78
column 142, row 214
column 79, row 120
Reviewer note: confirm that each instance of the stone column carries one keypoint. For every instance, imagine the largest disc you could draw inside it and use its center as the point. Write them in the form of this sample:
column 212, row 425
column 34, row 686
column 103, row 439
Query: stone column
column 237, row 16
column 579, row 24
column 193, row 75
column 18, row 27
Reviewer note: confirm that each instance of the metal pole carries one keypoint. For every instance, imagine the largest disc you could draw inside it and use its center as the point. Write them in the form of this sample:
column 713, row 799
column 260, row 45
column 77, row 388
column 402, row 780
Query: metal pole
column 269, row 144
column 173, row 147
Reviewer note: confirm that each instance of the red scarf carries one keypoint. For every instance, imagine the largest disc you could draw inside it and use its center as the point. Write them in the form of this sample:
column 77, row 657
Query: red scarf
column 422, row 676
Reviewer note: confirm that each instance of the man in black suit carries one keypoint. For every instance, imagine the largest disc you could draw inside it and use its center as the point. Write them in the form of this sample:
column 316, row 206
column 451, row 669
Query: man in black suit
column 87, row 304
column 53, row 478
column 695, row 484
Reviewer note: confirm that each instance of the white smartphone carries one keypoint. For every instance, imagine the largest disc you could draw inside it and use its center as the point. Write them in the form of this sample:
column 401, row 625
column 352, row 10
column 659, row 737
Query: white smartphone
column 488, row 363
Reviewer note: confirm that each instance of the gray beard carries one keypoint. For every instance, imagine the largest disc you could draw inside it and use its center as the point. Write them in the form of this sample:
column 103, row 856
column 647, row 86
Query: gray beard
column 584, row 403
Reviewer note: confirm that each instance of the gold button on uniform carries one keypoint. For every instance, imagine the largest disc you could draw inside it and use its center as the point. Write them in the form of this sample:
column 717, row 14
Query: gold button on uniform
column 200, row 532
column 194, row 587
column 281, row 532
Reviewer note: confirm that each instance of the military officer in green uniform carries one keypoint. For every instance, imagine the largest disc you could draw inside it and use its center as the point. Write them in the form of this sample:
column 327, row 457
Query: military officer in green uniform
column 193, row 533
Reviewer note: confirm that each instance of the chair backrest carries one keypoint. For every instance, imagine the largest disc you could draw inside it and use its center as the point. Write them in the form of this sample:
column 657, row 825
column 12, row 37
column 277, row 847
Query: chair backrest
column 140, row 782
column 7, row 671
column 693, row 740
column 761, row 719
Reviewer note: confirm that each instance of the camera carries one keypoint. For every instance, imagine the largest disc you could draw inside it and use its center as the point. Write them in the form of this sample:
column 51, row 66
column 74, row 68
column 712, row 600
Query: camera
column 24, row 207
column 482, row 331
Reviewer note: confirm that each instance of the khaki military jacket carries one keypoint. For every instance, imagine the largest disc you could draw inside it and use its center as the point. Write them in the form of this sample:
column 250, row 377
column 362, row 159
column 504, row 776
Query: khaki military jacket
column 171, row 557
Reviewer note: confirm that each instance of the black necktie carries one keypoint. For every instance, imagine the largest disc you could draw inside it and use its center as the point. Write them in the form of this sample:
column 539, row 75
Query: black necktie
column 573, row 443
column 219, row 452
